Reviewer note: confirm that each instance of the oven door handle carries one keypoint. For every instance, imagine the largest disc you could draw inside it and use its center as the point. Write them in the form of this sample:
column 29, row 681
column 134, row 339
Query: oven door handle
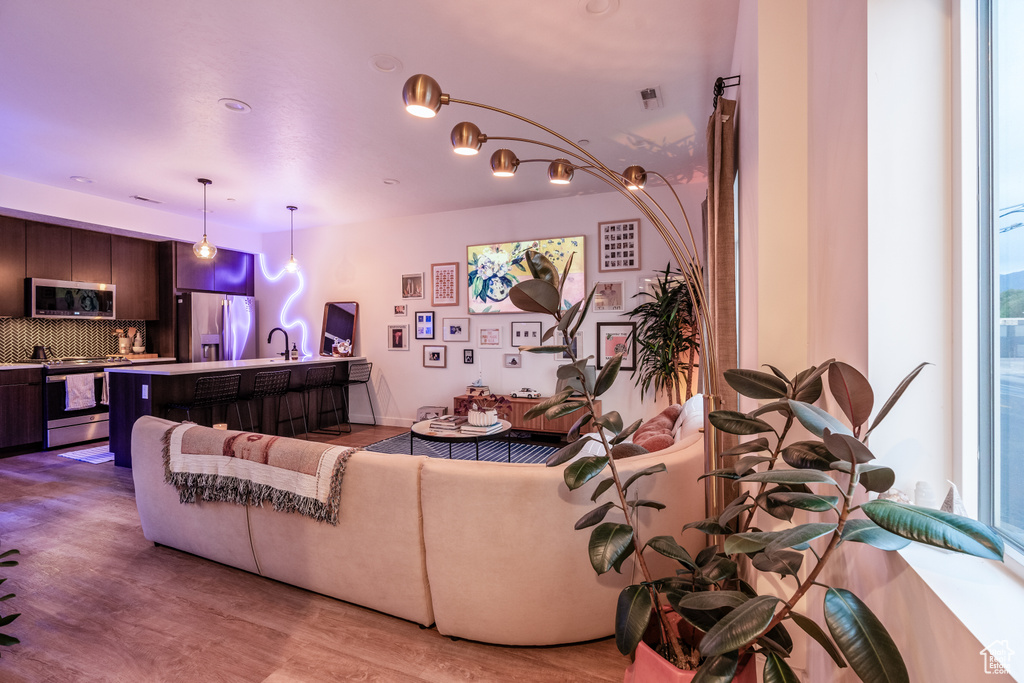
column 61, row 378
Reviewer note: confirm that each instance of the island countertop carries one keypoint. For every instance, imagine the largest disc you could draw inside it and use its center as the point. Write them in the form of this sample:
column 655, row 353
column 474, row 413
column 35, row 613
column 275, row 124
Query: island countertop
column 223, row 365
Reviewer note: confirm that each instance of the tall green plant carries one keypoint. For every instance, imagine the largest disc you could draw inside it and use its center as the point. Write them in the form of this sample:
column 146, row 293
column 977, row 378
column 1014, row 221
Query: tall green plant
column 667, row 337
column 6, row 640
column 775, row 476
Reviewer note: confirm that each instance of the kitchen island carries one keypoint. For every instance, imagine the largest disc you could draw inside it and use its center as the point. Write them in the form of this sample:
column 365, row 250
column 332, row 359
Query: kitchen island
column 147, row 389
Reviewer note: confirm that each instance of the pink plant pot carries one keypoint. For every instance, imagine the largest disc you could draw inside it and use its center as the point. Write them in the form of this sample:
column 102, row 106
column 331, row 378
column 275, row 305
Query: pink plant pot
column 650, row 667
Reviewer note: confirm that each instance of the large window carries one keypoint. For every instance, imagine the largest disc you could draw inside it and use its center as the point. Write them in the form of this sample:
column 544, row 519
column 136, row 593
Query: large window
column 1002, row 250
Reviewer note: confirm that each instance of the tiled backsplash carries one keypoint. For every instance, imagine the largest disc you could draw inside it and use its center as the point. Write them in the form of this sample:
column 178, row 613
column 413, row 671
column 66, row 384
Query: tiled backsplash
column 65, row 337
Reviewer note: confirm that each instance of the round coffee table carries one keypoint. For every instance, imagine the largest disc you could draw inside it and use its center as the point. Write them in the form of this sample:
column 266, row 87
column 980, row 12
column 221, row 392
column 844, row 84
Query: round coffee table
column 423, row 431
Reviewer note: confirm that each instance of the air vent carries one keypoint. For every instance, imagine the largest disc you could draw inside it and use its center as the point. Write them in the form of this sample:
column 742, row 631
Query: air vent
column 650, row 98
column 140, row 198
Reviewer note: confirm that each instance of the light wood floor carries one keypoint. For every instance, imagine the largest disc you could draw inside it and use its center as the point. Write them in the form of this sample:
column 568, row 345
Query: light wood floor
column 100, row 603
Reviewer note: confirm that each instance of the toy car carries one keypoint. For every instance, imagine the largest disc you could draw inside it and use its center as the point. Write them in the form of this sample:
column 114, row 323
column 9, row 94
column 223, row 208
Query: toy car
column 525, row 393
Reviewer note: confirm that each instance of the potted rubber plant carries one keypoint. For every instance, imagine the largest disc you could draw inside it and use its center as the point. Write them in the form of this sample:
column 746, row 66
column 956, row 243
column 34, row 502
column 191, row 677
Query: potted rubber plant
column 708, row 617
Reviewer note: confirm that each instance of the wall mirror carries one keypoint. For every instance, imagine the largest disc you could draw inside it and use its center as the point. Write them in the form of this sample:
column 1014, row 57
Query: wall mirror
column 339, row 330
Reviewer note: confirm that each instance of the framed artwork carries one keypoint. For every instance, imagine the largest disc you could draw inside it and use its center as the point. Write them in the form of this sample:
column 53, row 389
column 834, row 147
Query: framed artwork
column 494, row 269
column 575, row 346
column 455, row 329
column 445, row 280
column 646, row 285
column 513, row 360
column 526, row 334
column 424, row 324
column 398, row 337
column 616, row 338
column 467, row 356
column 490, row 338
column 435, row 356
column 608, row 296
column 412, row 286
column 401, row 309
column 618, row 245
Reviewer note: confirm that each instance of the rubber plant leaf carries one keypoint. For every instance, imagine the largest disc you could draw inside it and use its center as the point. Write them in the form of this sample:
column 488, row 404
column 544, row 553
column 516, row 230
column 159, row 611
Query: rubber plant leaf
column 851, row 391
column 610, row 545
column 866, row 531
column 583, row 312
column 601, row 487
column 732, row 422
column 593, row 517
column 718, row 669
column 626, row 450
column 811, row 628
column 816, row 421
column 783, row 562
column 790, row 477
column 739, row 627
column 653, row 469
column 608, row 374
column 753, row 446
column 541, row 268
column 708, row 600
column 579, row 472
column 565, row 273
column 778, row 373
column 627, row 432
column 805, row 501
column 801, row 534
column 935, row 527
column 756, row 384
column 611, row 421
column 541, row 408
column 776, row 670
column 808, row 382
column 808, row 455
column 667, row 546
column 891, row 401
column 547, row 348
column 863, row 639
column 847, row 448
column 565, row 454
column 565, row 408
column 535, row 296
column 632, row 615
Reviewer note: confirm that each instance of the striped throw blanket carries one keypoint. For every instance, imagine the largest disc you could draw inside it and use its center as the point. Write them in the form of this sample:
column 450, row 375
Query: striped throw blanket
column 250, row 469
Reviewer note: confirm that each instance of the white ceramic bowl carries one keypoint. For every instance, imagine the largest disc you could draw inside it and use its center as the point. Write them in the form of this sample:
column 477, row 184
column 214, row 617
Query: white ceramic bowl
column 481, row 418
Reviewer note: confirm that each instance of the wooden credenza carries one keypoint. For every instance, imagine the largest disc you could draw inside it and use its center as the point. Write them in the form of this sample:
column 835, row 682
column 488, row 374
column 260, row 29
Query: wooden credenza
column 518, row 409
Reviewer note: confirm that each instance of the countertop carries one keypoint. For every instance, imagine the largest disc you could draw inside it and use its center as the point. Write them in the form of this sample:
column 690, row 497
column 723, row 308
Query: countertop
column 221, row 365
column 28, row 366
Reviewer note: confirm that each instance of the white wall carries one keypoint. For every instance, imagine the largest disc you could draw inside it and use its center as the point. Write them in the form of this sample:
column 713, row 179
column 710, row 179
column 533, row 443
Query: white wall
column 364, row 263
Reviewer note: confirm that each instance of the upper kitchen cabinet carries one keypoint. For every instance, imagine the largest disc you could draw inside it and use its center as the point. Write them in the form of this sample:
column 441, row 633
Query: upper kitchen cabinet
column 90, row 256
column 230, row 272
column 233, row 274
column 133, row 267
column 192, row 272
column 48, row 251
column 12, row 267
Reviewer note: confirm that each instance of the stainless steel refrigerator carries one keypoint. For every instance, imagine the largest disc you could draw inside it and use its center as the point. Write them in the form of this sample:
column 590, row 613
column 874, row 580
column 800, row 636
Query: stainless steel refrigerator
column 215, row 327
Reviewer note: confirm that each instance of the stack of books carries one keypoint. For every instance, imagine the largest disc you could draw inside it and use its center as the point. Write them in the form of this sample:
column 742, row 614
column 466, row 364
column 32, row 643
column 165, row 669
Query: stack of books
column 448, row 422
column 478, row 431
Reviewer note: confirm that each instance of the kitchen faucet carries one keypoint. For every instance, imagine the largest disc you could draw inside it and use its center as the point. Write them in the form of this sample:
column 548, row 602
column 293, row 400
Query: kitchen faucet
column 282, row 331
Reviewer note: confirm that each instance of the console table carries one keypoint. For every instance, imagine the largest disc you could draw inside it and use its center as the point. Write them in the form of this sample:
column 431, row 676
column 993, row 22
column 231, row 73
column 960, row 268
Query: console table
column 518, row 409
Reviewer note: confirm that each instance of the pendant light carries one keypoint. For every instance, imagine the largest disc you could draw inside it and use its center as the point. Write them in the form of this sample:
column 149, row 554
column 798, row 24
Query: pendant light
column 292, row 266
column 204, row 249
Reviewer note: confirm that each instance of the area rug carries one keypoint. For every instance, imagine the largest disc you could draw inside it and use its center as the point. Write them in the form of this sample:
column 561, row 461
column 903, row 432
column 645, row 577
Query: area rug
column 95, row 455
column 495, row 451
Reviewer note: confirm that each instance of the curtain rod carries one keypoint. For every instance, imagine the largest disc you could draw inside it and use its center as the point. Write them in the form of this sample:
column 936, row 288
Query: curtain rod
column 720, row 86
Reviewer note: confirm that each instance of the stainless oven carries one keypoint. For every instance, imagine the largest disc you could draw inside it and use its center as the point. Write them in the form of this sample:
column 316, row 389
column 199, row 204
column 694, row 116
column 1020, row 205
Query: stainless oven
column 65, row 426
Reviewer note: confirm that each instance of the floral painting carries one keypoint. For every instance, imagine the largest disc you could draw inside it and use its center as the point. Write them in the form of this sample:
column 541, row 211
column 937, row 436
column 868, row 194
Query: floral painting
column 494, row 269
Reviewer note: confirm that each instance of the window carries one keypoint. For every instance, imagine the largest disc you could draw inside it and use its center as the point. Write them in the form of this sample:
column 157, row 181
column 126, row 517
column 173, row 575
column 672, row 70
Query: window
column 1002, row 266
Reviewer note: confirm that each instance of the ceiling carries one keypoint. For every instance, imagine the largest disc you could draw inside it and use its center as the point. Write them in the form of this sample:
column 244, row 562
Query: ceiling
column 126, row 94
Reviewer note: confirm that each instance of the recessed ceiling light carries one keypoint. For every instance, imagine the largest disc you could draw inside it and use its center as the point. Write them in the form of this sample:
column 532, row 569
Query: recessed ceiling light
column 386, row 63
column 390, row 181
column 597, row 8
column 237, row 106
column 583, row 142
column 81, row 179
column 230, row 199
column 140, row 198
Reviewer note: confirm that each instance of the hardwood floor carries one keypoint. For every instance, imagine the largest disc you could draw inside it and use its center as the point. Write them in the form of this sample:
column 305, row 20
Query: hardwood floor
column 100, row 603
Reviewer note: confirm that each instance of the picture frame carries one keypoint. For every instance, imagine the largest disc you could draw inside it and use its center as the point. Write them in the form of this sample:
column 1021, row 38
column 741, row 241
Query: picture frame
column 494, row 269
column 424, row 324
column 435, row 356
column 398, row 337
column 576, row 346
column 412, row 286
column 526, row 333
column 513, row 360
column 455, row 329
column 613, row 338
column 401, row 310
column 467, row 356
column 618, row 246
column 444, row 278
column 489, row 337
column 609, row 296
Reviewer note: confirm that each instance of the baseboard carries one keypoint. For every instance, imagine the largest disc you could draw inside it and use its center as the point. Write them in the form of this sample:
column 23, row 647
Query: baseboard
column 386, row 421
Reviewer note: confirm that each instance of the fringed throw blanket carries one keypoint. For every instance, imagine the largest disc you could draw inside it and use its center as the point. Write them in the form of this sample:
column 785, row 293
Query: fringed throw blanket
column 250, row 469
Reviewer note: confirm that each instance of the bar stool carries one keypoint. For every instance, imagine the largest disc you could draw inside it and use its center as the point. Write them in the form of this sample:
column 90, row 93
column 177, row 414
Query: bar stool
column 211, row 391
column 320, row 378
column 271, row 384
column 358, row 373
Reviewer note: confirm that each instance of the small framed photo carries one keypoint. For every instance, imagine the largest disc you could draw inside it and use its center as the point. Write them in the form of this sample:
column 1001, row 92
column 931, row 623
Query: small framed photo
column 467, row 356
column 424, row 324
column 401, row 309
column 618, row 245
column 445, row 280
column 608, row 296
column 513, row 360
column 412, row 286
column 616, row 338
column 455, row 329
column 575, row 346
column 489, row 337
column 526, row 334
column 398, row 337
column 435, row 356
column 645, row 285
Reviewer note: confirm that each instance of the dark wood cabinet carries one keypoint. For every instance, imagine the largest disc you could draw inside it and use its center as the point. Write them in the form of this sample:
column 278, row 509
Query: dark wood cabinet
column 47, row 251
column 21, row 407
column 12, row 266
column 230, row 272
column 233, row 272
column 90, row 256
column 133, row 266
column 192, row 272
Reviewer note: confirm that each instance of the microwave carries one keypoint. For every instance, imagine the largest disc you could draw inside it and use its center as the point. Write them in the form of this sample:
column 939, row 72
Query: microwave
column 70, row 300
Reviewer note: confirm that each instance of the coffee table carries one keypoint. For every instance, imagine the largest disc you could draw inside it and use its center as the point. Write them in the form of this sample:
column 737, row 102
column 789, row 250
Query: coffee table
column 423, row 431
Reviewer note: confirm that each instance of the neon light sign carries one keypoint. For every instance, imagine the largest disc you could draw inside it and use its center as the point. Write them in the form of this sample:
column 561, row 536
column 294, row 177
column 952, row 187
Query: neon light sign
column 304, row 344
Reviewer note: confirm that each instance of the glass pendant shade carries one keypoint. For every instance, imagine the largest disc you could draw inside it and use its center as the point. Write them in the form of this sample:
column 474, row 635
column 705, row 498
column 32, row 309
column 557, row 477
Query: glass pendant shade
column 467, row 138
column 422, row 96
column 560, row 172
column 204, row 249
column 504, row 163
column 292, row 266
column 635, row 177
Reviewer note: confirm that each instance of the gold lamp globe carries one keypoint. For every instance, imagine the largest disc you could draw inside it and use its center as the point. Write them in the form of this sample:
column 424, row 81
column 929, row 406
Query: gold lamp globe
column 504, row 163
column 422, row 96
column 560, row 172
column 467, row 138
column 635, row 177
column 204, row 248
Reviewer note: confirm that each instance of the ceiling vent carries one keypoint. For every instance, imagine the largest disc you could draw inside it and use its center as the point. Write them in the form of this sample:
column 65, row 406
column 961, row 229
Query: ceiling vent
column 650, row 98
column 140, row 198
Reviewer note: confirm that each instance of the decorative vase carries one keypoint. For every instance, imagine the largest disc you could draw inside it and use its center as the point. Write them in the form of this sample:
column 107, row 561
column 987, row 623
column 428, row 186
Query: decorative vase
column 123, row 345
column 650, row 667
column 483, row 418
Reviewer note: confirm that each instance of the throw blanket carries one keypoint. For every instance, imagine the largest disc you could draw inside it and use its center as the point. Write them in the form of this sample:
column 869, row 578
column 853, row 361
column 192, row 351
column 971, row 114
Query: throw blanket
column 249, row 469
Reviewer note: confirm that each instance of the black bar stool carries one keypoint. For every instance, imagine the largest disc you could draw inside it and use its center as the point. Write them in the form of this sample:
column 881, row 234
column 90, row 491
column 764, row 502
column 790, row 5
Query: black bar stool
column 211, row 391
column 358, row 373
column 271, row 384
column 320, row 379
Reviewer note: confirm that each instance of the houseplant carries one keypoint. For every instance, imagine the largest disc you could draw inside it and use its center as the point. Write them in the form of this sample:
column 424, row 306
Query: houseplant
column 7, row 640
column 731, row 622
